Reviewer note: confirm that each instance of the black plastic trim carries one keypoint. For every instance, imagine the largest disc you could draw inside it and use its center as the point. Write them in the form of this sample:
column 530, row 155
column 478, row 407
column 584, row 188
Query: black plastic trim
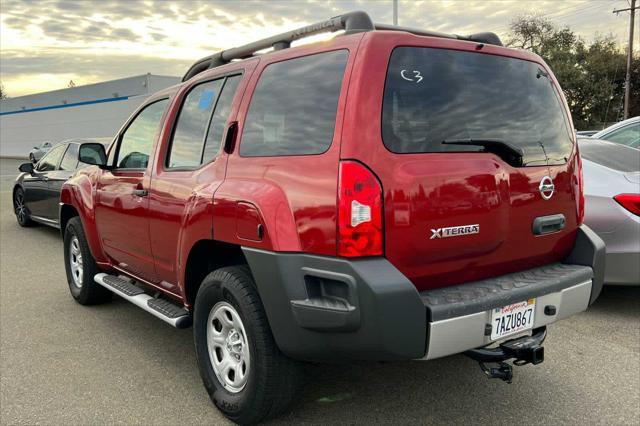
column 589, row 250
column 384, row 318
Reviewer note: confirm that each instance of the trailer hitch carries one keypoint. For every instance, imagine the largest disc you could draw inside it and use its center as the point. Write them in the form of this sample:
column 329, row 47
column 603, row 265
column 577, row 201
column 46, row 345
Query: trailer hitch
column 523, row 350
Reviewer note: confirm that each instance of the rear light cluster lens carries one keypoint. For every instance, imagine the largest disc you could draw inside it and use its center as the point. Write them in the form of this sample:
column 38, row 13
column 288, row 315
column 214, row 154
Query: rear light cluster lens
column 359, row 211
column 630, row 202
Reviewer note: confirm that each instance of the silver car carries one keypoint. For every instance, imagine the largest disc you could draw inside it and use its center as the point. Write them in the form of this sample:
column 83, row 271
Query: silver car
column 626, row 132
column 39, row 151
column 612, row 205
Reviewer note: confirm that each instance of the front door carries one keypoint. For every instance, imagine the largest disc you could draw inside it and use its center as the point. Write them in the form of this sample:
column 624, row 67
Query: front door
column 36, row 186
column 122, row 195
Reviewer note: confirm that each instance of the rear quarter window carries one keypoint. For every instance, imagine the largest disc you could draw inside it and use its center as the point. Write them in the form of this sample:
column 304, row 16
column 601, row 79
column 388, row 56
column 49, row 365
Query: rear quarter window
column 432, row 95
column 293, row 108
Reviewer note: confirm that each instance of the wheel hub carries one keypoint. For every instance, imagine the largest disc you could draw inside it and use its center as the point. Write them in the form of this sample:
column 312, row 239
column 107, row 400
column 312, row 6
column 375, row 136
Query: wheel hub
column 228, row 347
column 75, row 262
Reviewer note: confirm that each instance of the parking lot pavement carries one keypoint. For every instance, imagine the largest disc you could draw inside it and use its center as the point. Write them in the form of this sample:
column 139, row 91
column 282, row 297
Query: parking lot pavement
column 62, row 363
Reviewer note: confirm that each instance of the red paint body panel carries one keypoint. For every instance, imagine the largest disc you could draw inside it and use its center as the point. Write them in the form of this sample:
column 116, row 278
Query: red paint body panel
column 295, row 197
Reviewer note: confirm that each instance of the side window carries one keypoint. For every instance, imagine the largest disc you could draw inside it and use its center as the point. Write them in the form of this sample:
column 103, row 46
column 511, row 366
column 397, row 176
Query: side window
column 293, row 109
column 137, row 140
column 50, row 161
column 70, row 159
column 219, row 119
column 192, row 121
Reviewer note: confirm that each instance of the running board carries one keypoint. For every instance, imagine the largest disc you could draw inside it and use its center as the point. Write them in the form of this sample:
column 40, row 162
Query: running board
column 167, row 311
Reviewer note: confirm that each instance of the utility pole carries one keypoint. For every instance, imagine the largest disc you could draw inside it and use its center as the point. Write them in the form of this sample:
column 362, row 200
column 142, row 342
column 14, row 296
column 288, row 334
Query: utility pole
column 395, row 12
column 627, row 80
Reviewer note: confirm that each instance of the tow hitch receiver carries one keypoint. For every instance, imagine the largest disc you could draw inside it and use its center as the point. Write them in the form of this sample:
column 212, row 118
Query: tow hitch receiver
column 523, row 350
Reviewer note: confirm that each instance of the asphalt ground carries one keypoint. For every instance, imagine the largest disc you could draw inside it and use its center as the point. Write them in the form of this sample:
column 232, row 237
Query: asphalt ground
column 62, row 363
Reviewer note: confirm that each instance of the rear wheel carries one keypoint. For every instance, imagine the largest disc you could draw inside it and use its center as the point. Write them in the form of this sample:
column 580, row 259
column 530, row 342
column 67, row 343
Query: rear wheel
column 23, row 215
column 81, row 267
column 244, row 372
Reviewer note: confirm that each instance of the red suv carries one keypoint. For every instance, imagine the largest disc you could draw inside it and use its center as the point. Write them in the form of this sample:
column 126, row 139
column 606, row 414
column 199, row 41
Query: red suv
column 390, row 194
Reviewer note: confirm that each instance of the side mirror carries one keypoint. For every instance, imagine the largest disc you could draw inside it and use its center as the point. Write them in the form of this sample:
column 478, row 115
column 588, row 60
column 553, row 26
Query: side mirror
column 93, row 153
column 26, row 168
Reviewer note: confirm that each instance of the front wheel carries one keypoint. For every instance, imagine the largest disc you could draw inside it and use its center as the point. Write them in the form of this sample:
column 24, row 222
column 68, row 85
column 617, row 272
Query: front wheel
column 244, row 372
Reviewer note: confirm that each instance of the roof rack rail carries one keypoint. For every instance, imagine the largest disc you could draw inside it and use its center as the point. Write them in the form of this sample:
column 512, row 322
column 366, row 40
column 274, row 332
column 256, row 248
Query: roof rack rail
column 352, row 22
column 487, row 38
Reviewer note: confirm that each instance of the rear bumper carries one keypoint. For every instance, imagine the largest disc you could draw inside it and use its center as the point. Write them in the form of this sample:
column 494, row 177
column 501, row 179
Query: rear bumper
column 329, row 309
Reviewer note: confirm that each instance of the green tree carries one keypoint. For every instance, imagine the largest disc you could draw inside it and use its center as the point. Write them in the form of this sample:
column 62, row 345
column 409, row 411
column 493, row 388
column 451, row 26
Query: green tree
column 3, row 93
column 591, row 75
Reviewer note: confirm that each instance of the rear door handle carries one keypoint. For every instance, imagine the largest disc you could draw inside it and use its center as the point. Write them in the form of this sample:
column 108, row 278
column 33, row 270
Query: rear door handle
column 548, row 224
column 230, row 137
column 140, row 192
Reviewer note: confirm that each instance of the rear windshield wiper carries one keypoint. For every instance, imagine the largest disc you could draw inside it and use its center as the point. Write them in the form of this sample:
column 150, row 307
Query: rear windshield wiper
column 509, row 153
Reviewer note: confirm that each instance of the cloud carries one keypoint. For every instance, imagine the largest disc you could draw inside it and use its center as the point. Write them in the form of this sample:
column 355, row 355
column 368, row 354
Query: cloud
column 119, row 38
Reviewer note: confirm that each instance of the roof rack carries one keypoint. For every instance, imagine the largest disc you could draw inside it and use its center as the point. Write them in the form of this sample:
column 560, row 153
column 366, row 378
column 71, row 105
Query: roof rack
column 352, row 22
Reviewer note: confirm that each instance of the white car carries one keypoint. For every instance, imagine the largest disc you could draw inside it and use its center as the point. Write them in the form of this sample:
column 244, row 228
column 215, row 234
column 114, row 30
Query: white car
column 626, row 132
column 612, row 205
column 39, row 151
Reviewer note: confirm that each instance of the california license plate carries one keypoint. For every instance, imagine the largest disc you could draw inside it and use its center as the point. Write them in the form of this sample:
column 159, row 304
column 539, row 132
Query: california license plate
column 512, row 319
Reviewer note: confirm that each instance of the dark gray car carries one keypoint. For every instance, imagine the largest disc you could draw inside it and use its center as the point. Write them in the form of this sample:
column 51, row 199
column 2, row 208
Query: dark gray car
column 36, row 192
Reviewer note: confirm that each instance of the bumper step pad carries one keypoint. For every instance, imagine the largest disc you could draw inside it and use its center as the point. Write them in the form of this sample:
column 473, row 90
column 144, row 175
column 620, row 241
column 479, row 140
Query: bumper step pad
column 167, row 311
column 458, row 300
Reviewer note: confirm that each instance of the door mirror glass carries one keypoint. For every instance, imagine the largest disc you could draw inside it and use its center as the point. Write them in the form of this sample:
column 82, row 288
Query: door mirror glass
column 26, row 168
column 93, row 154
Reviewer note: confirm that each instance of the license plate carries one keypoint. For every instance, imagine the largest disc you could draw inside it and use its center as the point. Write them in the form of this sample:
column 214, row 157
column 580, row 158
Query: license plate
column 512, row 319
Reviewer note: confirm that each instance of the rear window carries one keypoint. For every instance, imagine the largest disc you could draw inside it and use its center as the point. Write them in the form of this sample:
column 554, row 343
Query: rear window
column 293, row 109
column 434, row 95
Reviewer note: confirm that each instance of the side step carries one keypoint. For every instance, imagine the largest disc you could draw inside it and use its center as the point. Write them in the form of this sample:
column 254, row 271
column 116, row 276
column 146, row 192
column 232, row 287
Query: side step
column 167, row 311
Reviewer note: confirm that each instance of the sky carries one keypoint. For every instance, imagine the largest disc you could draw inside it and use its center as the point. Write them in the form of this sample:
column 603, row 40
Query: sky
column 46, row 43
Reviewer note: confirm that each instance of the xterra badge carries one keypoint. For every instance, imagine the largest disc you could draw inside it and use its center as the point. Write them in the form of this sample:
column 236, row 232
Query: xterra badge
column 455, row 231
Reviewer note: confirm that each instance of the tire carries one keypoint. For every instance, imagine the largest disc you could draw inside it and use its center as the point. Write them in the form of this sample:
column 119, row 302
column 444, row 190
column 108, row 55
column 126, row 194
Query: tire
column 23, row 215
column 81, row 267
column 271, row 380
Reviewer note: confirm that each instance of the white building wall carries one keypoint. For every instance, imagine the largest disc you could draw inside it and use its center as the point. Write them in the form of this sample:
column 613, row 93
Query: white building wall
column 57, row 121
column 21, row 132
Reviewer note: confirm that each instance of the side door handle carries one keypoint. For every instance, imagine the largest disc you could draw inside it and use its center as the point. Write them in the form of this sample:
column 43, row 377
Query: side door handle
column 140, row 192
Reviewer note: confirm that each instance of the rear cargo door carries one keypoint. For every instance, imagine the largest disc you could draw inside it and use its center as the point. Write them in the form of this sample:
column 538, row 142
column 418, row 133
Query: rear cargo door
column 470, row 138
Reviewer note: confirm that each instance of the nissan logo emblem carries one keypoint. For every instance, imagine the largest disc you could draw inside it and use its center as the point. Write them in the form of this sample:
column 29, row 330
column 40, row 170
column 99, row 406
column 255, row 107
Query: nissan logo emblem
column 546, row 187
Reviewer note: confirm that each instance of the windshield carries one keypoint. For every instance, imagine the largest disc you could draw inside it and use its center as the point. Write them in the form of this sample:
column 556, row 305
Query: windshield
column 435, row 95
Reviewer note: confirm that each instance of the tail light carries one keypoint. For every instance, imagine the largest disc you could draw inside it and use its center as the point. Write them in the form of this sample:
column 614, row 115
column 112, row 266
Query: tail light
column 359, row 211
column 630, row 202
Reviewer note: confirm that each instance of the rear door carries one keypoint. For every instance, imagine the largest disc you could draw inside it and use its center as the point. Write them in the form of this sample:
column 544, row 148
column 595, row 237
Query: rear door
column 58, row 177
column 456, row 208
column 190, row 167
column 122, row 194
